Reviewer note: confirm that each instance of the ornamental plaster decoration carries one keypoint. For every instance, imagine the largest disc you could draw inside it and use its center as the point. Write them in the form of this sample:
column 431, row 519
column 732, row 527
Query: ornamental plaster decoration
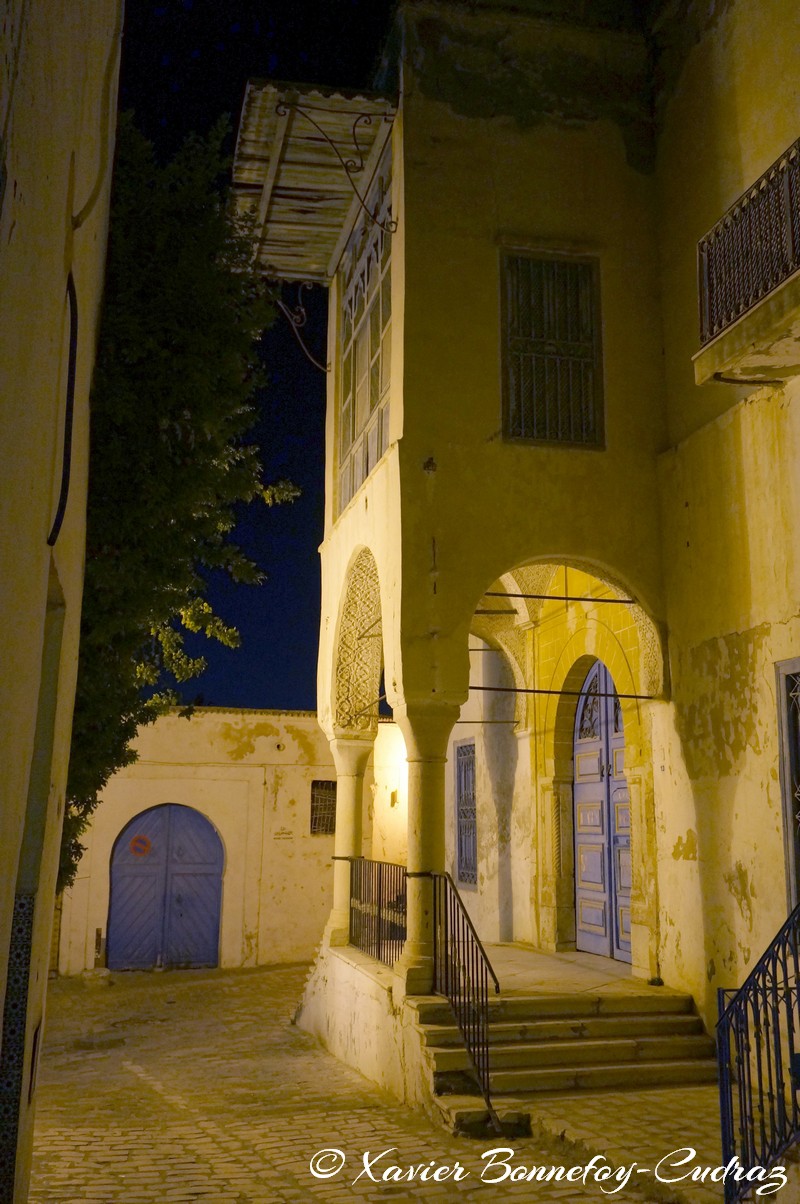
column 359, row 649
column 531, row 579
column 512, row 641
column 651, row 657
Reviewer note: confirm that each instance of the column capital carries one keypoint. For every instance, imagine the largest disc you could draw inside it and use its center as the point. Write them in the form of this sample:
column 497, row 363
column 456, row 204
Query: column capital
column 350, row 754
column 426, row 726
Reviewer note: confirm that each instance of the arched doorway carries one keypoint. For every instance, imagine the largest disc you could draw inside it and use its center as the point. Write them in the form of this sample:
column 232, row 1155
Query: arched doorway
column 602, row 821
column 166, row 891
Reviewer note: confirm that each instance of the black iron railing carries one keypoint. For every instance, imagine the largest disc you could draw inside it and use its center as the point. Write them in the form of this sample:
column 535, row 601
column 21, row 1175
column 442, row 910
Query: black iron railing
column 758, row 1046
column 753, row 248
column 462, row 972
column 378, row 908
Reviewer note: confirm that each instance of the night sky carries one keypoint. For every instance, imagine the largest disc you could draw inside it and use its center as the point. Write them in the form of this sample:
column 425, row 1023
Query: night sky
column 184, row 63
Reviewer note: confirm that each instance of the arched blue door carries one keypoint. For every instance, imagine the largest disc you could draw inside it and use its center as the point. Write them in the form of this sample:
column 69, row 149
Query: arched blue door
column 166, row 890
column 602, row 821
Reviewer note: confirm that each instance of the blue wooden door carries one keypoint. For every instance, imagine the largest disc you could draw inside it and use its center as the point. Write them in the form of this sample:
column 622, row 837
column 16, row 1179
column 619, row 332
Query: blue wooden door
column 602, row 821
column 166, row 891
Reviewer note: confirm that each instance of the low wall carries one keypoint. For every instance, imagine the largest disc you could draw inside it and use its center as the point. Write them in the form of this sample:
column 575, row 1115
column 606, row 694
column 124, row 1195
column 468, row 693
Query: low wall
column 250, row 774
column 348, row 1004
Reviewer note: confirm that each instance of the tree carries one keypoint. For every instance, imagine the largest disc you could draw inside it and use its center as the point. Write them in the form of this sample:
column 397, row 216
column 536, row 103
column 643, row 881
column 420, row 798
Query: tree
column 172, row 401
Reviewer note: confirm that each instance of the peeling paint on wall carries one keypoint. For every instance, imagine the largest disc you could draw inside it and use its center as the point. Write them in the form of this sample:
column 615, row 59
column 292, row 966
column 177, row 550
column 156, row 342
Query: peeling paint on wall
column 679, row 27
column 720, row 723
column 743, row 891
column 490, row 71
column 685, row 848
column 242, row 736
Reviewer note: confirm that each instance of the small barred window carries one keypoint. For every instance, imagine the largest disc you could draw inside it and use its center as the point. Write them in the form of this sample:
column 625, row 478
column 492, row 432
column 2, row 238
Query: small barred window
column 323, row 808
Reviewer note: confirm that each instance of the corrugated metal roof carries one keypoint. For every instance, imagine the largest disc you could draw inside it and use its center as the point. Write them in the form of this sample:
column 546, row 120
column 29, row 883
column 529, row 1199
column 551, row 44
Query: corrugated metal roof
column 288, row 175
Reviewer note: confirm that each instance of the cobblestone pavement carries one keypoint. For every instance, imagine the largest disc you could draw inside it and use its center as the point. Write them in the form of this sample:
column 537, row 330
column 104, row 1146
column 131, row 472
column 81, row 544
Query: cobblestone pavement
column 194, row 1086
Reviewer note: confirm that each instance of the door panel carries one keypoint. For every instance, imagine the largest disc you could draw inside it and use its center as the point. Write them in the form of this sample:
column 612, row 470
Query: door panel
column 138, row 872
column 602, row 821
column 166, row 888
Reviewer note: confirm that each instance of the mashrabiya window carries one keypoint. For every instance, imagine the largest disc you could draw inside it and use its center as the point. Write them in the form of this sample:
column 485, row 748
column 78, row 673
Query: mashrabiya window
column 552, row 361
column 365, row 352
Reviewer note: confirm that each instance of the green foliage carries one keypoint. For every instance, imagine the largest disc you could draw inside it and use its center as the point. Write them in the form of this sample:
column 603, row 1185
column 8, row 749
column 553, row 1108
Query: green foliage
column 176, row 369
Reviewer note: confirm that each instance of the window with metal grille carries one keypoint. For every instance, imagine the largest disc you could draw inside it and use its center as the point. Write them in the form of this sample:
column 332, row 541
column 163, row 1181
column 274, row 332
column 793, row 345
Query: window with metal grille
column 552, row 369
column 466, row 819
column 323, row 808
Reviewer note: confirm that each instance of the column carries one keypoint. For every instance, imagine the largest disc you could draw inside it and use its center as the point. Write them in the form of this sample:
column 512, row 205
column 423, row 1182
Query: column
column 350, row 756
column 426, row 728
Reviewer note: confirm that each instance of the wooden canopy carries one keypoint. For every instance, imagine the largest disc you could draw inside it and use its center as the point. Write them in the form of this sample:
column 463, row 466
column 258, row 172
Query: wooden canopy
column 302, row 156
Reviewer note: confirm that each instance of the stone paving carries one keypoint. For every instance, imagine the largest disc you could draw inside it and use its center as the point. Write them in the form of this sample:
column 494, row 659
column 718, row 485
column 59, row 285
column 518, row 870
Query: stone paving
column 195, row 1086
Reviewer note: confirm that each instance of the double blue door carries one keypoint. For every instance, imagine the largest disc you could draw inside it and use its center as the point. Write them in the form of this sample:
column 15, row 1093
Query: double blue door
column 602, row 822
column 166, row 891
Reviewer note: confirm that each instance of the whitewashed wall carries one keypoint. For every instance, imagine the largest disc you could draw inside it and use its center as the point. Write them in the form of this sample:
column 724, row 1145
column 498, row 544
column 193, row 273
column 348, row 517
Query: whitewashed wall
column 250, row 774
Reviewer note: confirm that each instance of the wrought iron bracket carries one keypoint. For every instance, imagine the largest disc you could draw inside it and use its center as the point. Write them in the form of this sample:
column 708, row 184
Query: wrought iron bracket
column 353, row 166
column 297, row 318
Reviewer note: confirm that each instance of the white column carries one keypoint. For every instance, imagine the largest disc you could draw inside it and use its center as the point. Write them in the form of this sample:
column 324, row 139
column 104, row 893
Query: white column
column 350, row 756
column 426, row 728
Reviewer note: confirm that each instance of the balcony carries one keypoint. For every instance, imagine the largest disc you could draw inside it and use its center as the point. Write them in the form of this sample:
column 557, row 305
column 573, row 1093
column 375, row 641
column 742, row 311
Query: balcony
column 749, row 283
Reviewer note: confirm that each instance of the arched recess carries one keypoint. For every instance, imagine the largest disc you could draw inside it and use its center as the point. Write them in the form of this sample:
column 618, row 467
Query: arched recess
column 359, row 650
column 166, row 891
column 627, row 642
column 552, row 643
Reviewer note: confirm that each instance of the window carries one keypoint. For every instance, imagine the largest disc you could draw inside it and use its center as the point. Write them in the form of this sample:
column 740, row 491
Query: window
column 788, row 673
column 365, row 348
column 323, row 808
column 552, row 364
column 466, row 825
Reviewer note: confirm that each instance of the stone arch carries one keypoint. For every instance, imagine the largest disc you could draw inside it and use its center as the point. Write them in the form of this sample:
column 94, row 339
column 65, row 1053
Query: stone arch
column 506, row 632
column 551, row 655
column 359, row 649
column 591, row 643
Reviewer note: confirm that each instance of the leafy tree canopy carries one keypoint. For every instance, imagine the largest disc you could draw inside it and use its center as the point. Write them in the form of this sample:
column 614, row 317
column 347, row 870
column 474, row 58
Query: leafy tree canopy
column 175, row 374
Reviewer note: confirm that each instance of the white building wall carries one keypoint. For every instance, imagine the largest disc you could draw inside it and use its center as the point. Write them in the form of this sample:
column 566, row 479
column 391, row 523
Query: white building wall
column 250, row 774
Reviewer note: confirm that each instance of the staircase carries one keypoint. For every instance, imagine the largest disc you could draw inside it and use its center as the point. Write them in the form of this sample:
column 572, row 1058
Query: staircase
column 563, row 1042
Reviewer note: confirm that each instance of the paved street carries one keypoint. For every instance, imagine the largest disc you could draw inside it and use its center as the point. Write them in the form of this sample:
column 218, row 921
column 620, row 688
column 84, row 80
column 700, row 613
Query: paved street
column 194, row 1086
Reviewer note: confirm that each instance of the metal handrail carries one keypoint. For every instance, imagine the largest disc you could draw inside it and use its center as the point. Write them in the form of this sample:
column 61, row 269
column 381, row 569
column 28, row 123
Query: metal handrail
column 461, row 972
column 378, row 918
column 378, row 927
column 758, row 1047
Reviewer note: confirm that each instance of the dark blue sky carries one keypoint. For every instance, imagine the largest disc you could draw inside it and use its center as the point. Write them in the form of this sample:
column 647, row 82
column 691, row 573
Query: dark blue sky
column 184, row 63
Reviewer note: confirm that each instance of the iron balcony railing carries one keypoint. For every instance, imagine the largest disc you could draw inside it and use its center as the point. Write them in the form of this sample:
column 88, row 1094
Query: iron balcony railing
column 462, row 972
column 753, row 248
column 378, row 908
column 758, row 1046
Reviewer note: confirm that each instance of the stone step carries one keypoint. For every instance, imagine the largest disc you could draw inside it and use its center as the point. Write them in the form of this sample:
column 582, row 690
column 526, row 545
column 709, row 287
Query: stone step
column 596, row 1077
column 468, row 1116
column 436, row 1010
column 505, row 1032
column 578, row 1053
